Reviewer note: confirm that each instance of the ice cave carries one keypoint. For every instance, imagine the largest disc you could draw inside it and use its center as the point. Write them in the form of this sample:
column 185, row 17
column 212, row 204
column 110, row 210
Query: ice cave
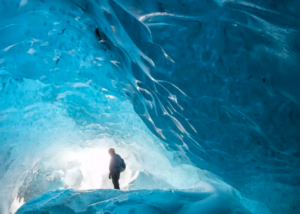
column 200, row 97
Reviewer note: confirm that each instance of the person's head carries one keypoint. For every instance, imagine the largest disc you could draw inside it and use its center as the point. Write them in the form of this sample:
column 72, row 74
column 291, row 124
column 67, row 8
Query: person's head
column 111, row 151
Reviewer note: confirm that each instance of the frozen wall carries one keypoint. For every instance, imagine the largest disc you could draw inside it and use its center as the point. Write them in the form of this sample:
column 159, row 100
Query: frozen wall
column 198, row 86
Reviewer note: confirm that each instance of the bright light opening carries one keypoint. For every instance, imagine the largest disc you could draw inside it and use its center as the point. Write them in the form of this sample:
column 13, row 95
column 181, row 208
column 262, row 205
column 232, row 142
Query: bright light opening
column 86, row 169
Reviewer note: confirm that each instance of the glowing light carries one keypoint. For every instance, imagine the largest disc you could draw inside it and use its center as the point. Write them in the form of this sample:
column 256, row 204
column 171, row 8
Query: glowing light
column 86, row 169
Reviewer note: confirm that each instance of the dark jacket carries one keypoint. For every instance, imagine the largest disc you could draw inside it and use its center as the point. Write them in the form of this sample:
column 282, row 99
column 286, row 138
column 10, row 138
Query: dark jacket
column 116, row 163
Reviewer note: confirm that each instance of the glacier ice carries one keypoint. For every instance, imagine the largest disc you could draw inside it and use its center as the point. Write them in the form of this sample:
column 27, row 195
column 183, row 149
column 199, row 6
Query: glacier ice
column 138, row 201
column 189, row 92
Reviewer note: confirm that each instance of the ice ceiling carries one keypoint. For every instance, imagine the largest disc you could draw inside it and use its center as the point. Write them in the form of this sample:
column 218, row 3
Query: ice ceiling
column 186, row 90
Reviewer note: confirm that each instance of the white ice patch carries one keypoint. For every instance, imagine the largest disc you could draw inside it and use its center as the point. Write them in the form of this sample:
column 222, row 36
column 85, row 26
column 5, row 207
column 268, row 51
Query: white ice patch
column 23, row 3
column 16, row 204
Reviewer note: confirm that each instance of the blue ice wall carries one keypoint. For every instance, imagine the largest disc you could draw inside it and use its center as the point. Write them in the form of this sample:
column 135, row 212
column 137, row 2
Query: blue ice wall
column 208, row 83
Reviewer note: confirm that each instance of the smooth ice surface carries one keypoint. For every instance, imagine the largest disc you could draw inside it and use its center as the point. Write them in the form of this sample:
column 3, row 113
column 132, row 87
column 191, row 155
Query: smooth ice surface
column 211, row 201
column 188, row 91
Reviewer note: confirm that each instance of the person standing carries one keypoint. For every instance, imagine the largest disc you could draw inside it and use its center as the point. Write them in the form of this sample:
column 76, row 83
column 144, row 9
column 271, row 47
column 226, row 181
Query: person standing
column 116, row 166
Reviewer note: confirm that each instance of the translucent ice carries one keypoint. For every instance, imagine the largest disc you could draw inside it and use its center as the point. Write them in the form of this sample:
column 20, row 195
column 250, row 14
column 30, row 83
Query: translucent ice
column 140, row 201
column 187, row 91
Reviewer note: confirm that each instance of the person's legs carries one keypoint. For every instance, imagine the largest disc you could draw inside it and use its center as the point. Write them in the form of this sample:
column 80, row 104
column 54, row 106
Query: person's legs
column 115, row 179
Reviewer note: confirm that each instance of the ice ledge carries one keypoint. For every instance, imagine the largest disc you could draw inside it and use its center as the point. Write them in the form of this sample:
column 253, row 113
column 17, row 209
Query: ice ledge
column 132, row 202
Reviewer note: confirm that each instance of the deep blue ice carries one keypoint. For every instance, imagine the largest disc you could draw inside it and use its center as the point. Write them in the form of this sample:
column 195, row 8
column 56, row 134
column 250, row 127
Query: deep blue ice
column 200, row 97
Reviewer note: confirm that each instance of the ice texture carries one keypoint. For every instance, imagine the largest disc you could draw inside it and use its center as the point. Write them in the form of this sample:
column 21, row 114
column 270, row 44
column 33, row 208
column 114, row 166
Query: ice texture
column 139, row 201
column 188, row 91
